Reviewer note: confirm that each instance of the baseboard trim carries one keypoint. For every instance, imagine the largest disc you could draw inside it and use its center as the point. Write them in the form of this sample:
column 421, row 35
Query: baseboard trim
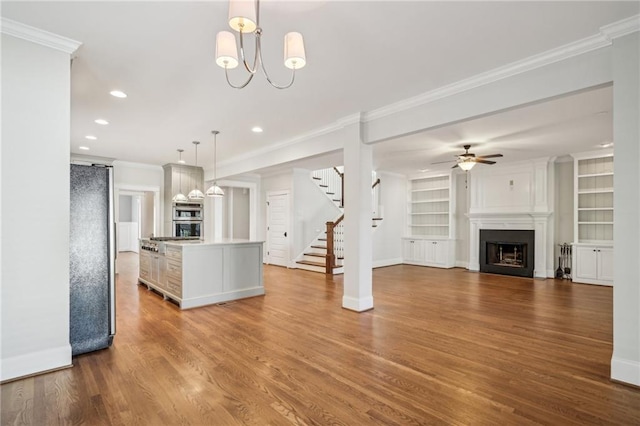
column 35, row 363
column 625, row 371
column 357, row 305
column 460, row 264
column 387, row 262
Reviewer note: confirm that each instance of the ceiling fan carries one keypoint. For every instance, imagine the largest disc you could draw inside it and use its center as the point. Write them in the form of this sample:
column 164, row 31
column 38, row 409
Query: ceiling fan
column 467, row 160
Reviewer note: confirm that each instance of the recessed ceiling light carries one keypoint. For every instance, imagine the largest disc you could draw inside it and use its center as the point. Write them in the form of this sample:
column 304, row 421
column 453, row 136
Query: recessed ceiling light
column 606, row 145
column 84, row 148
column 118, row 94
column 102, row 121
column 91, row 137
column 257, row 129
column 181, row 161
column 423, row 170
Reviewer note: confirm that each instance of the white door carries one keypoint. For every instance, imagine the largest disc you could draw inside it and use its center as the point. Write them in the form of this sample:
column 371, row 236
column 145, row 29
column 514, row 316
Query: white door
column 278, row 228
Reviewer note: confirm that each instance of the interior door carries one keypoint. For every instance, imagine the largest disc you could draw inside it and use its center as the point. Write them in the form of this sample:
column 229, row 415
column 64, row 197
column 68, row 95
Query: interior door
column 278, row 228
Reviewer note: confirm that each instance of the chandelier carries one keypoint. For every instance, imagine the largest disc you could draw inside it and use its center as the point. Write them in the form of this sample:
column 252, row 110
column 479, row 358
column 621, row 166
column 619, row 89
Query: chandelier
column 244, row 17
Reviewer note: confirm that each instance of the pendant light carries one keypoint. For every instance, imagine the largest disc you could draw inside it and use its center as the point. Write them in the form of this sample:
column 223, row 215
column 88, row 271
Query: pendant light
column 214, row 190
column 196, row 194
column 180, row 197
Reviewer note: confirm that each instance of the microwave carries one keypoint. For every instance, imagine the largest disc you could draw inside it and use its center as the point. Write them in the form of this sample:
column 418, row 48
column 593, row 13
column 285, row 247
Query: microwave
column 187, row 228
column 191, row 211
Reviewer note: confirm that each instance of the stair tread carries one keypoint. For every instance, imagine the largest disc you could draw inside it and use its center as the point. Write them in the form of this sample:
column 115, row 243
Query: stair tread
column 317, row 178
column 323, row 186
column 315, row 254
column 331, row 193
column 322, row 239
column 319, row 247
column 308, row 262
column 376, row 218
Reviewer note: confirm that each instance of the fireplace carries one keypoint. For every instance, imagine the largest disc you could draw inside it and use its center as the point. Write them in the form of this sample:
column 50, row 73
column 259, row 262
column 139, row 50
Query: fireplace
column 507, row 252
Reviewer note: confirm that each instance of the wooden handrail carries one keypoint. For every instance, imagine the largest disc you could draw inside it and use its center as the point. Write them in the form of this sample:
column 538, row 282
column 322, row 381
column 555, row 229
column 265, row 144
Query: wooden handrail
column 376, row 183
column 330, row 257
column 341, row 185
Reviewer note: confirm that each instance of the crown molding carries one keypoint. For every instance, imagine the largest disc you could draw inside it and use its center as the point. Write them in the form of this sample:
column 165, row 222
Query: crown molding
column 337, row 125
column 604, row 38
column 38, row 36
column 621, row 28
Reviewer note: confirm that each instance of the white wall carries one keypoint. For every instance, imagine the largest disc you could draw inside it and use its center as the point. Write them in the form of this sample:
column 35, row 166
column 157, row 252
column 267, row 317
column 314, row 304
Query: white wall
column 279, row 182
column 125, row 208
column 147, row 206
column 241, row 213
column 35, row 155
column 387, row 243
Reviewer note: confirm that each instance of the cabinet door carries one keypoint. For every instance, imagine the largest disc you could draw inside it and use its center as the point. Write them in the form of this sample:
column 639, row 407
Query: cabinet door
column 413, row 250
column 440, row 252
column 429, row 251
column 155, row 268
column 145, row 265
column 605, row 264
column 586, row 263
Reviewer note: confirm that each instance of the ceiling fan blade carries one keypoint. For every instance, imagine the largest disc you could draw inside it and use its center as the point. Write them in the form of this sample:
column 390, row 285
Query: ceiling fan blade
column 455, row 166
column 490, row 156
column 478, row 160
column 442, row 162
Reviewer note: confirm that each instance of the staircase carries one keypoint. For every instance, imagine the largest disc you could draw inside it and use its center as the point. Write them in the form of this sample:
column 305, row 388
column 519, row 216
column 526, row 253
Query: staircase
column 326, row 253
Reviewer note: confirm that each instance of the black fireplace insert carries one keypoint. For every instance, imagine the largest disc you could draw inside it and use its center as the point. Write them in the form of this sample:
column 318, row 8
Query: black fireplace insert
column 507, row 252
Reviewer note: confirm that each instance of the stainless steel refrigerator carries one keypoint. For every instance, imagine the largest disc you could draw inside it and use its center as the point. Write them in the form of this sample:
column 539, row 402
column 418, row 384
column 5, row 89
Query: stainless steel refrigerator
column 92, row 259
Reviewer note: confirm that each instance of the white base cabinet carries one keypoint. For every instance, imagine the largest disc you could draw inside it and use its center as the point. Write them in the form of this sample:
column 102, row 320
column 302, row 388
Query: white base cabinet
column 429, row 252
column 592, row 264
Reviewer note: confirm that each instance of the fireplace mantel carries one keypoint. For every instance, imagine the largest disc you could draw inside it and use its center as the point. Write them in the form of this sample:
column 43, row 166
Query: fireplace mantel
column 517, row 196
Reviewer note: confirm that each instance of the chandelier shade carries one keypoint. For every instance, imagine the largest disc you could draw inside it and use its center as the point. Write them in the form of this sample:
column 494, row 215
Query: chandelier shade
column 294, row 56
column 226, row 50
column 244, row 17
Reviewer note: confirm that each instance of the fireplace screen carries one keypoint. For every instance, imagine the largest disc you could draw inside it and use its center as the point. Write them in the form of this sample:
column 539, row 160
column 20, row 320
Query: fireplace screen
column 513, row 255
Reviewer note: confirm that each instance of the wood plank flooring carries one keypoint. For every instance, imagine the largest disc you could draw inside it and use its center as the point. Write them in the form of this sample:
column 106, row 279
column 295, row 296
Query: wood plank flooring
column 441, row 347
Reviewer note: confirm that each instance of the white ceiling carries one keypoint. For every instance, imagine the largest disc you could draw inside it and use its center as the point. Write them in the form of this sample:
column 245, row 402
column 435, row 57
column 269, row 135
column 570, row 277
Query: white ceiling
column 360, row 56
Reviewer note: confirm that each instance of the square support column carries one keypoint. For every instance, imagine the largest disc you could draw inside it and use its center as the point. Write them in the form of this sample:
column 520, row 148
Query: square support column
column 358, row 168
column 625, row 363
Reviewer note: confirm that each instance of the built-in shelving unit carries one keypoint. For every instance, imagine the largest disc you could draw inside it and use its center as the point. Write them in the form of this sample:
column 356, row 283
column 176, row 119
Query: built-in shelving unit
column 593, row 218
column 430, row 206
column 430, row 222
column 594, row 198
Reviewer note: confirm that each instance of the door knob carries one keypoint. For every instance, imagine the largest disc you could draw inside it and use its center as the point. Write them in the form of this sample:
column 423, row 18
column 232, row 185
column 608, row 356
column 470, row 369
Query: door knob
column 285, row 234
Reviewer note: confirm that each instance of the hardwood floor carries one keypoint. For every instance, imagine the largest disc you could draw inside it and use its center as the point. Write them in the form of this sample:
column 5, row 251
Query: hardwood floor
column 440, row 347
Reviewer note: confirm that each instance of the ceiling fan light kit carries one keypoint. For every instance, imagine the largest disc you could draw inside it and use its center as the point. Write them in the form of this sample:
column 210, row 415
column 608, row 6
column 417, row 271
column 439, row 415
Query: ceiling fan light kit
column 244, row 18
column 468, row 160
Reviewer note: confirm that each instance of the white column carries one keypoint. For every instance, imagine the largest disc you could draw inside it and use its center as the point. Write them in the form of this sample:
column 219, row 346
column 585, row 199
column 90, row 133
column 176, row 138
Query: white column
column 358, row 165
column 625, row 363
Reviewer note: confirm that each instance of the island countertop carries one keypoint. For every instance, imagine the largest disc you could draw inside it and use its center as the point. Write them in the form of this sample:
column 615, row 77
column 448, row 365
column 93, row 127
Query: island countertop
column 198, row 273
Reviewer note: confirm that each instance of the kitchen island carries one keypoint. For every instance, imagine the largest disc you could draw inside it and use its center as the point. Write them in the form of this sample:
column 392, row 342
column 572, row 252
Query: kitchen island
column 199, row 273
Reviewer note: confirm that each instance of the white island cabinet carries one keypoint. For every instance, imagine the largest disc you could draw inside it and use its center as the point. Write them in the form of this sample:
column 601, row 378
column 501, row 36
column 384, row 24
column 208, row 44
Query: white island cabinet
column 202, row 273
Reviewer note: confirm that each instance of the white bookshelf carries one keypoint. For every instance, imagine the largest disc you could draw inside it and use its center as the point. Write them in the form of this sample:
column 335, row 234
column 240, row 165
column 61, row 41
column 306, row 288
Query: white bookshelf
column 430, row 206
column 593, row 198
column 593, row 218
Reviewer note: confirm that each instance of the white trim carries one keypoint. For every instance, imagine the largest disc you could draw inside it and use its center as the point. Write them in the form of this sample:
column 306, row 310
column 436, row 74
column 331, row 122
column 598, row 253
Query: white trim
column 330, row 128
column 386, row 262
column 357, row 305
column 289, row 262
column 36, row 362
column 38, row 36
column 603, row 39
column 195, row 302
column 625, row 370
column 621, row 28
column 461, row 264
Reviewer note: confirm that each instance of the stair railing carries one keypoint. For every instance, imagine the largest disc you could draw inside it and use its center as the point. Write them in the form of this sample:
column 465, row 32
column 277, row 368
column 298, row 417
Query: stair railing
column 335, row 243
column 341, row 186
column 375, row 198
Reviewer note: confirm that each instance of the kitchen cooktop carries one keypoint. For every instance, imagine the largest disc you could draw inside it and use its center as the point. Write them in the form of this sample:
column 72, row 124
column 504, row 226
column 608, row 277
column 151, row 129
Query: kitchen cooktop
column 174, row 238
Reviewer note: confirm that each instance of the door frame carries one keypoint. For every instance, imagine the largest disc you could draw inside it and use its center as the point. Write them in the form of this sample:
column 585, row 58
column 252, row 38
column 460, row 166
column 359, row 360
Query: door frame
column 269, row 194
